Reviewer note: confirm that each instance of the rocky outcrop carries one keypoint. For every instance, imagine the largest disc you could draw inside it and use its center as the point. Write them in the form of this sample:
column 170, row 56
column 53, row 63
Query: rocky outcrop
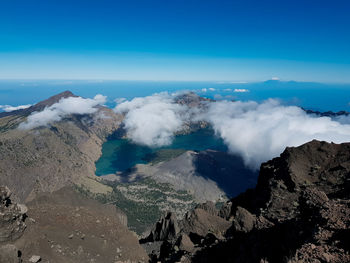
column 198, row 223
column 12, row 217
column 298, row 212
column 165, row 229
column 12, row 226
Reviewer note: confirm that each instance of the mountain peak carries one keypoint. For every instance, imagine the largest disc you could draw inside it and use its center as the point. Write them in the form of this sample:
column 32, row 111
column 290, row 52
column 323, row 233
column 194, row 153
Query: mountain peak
column 52, row 100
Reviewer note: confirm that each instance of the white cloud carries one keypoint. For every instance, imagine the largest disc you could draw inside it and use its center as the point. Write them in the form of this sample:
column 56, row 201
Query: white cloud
column 57, row 111
column 259, row 132
column 119, row 100
column 9, row 108
column 228, row 90
column 256, row 132
column 100, row 99
column 218, row 97
column 211, row 89
column 275, row 78
column 241, row 90
column 153, row 120
column 343, row 119
column 204, row 90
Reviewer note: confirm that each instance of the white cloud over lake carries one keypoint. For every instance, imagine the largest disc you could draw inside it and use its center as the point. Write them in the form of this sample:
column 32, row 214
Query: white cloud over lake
column 259, row 132
column 255, row 131
column 153, row 120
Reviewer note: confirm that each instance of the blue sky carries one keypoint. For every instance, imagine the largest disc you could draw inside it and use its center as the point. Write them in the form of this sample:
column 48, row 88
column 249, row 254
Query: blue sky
column 175, row 40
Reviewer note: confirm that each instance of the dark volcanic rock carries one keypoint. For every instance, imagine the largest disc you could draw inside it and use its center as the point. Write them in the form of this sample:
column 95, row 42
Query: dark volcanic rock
column 243, row 220
column 184, row 243
column 166, row 228
column 198, row 223
column 298, row 212
column 327, row 113
column 191, row 99
column 209, row 207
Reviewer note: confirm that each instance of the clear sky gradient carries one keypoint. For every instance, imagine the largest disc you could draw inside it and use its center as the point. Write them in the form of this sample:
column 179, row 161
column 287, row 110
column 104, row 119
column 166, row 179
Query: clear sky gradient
column 199, row 40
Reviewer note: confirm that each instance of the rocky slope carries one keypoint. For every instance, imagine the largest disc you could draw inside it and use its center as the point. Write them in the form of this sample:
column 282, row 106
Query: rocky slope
column 65, row 226
column 12, row 226
column 48, row 158
column 298, row 212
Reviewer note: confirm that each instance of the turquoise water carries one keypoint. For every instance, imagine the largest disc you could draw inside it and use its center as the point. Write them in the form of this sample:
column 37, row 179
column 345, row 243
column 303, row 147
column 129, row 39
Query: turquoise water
column 121, row 154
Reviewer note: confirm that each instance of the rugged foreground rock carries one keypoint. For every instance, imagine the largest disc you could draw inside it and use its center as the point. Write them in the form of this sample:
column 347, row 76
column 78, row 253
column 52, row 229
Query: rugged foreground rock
column 12, row 226
column 65, row 226
column 298, row 212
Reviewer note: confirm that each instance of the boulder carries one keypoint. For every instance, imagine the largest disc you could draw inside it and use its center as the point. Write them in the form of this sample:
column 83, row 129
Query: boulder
column 185, row 243
column 35, row 259
column 243, row 220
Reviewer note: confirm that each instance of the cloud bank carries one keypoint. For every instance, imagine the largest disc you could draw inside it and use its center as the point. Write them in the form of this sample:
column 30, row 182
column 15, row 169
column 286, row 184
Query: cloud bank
column 259, row 132
column 241, row 90
column 57, row 111
column 255, row 131
column 153, row 120
column 9, row 108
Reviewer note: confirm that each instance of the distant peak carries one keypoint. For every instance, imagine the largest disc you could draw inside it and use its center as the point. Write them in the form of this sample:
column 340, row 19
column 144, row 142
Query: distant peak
column 54, row 99
column 272, row 81
column 65, row 94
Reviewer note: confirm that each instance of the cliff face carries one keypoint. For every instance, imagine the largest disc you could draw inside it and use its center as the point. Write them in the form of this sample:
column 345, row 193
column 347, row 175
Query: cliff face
column 48, row 158
column 298, row 212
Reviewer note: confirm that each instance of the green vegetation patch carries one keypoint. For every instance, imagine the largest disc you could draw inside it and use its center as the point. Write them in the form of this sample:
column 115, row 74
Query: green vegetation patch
column 144, row 201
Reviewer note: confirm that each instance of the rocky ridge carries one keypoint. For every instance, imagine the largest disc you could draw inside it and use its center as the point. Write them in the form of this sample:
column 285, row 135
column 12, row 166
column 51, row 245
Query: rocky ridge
column 298, row 212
